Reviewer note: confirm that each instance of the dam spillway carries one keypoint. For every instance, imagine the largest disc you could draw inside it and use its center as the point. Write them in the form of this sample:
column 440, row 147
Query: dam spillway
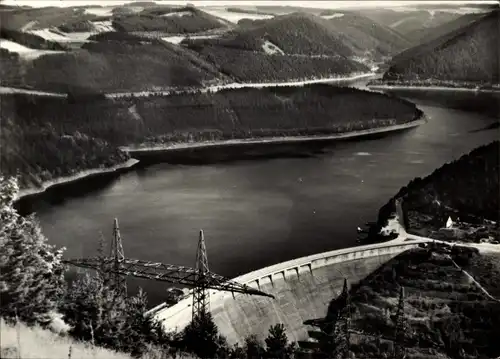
column 303, row 289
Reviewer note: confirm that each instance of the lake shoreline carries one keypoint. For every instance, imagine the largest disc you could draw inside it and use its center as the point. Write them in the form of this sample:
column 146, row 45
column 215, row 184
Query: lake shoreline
column 27, row 192
column 274, row 140
column 430, row 88
column 133, row 162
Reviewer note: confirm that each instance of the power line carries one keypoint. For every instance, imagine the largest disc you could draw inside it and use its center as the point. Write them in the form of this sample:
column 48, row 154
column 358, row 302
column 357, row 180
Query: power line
column 200, row 277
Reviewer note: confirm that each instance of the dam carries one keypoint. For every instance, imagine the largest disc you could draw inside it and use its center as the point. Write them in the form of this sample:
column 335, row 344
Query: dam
column 303, row 289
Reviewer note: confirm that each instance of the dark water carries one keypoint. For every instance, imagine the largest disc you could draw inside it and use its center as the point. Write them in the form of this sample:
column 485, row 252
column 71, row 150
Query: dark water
column 261, row 212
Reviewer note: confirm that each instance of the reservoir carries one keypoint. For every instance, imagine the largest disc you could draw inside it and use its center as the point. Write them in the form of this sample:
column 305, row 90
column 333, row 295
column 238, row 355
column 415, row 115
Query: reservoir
column 260, row 212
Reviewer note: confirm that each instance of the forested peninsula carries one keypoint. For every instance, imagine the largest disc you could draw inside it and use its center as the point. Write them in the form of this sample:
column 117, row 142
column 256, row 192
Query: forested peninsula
column 466, row 190
column 45, row 138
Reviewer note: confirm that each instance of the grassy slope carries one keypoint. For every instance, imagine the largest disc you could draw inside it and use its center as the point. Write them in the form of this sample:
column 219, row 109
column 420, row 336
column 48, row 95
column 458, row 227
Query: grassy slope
column 444, row 310
column 39, row 343
column 36, row 343
column 466, row 187
column 115, row 66
column 468, row 55
column 38, row 123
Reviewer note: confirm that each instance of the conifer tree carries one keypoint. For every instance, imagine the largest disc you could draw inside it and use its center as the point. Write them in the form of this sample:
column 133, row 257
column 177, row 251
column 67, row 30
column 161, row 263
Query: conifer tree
column 333, row 339
column 277, row 343
column 31, row 271
column 94, row 312
column 141, row 330
column 201, row 337
column 253, row 347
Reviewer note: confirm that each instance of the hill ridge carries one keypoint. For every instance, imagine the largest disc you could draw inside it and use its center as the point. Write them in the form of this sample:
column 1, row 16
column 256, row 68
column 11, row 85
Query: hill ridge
column 468, row 54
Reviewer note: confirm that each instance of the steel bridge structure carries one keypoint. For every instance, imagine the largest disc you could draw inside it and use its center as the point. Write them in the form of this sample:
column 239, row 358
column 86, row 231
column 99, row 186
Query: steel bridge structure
column 200, row 277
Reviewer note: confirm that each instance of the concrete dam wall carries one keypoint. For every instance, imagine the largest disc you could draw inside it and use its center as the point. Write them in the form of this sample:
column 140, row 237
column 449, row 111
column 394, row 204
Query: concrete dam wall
column 303, row 289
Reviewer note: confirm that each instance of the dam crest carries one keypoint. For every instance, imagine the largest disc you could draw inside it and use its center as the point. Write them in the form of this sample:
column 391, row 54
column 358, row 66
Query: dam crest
column 302, row 287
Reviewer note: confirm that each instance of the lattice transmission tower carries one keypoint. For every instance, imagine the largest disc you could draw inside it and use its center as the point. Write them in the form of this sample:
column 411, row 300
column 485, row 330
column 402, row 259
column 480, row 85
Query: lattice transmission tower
column 119, row 283
column 400, row 330
column 333, row 339
column 118, row 267
column 201, row 295
column 343, row 324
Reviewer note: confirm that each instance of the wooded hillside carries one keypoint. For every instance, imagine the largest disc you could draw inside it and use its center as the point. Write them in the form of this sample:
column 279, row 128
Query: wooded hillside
column 291, row 47
column 445, row 314
column 466, row 188
column 427, row 34
column 49, row 137
column 469, row 54
column 366, row 37
column 297, row 33
column 168, row 20
column 115, row 66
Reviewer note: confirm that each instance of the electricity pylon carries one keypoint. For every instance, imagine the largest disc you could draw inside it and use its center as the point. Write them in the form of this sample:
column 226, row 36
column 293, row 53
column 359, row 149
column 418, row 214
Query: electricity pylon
column 200, row 277
column 399, row 332
column 118, row 282
column 201, row 295
column 333, row 339
column 343, row 323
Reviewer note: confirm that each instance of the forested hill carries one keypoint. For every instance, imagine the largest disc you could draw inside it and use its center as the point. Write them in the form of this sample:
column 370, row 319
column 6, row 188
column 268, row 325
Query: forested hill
column 427, row 34
column 298, row 34
column 138, row 50
column 165, row 19
column 465, row 56
column 364, row 36
column 332, row 33
column 43, row 138
column 291, row 47
column 114, row 64
column 466, row 188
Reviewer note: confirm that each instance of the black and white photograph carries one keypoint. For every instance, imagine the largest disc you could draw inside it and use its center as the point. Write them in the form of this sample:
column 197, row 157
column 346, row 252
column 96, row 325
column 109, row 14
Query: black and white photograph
column 249, row 179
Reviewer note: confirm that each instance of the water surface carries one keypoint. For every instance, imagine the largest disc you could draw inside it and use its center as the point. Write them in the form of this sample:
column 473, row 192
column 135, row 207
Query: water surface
column 261, row 212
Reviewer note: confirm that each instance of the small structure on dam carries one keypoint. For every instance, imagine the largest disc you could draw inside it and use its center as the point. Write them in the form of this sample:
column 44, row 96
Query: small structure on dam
column 200, row 277
column 303, row 289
